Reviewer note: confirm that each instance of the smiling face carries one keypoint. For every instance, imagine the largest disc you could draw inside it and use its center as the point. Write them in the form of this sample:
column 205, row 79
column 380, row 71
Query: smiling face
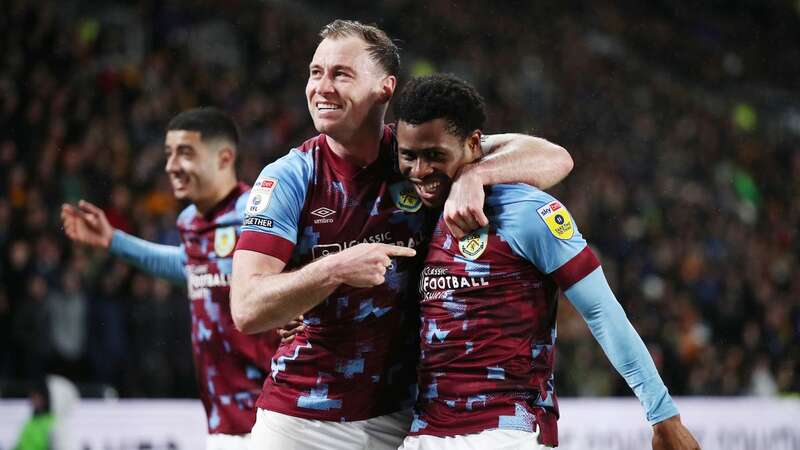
column 191, row 165
column 346, row 87
column 430, row 156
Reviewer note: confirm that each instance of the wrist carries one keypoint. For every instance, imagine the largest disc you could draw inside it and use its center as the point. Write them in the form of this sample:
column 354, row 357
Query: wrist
column 107, row 241
column 110, row 242
column 325, row 271
column 666, row 423
column 473, row 173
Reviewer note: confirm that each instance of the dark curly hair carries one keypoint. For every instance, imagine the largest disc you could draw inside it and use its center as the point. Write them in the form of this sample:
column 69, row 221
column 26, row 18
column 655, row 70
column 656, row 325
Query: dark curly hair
column 441, row 96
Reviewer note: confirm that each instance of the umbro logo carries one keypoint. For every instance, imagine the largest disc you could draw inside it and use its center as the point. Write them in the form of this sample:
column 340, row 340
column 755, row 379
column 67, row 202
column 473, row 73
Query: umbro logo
column 323, row 214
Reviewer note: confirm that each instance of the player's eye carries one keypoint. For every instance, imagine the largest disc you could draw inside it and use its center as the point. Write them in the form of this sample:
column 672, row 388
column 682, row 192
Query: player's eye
column 434, row 156
column 408, row 156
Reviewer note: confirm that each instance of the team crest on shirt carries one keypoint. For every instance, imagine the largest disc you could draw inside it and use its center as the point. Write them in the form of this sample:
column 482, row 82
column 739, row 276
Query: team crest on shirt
column 260, row 195
column 557, row 219
column 224, row 241
column 473, row 244
column 405, row 196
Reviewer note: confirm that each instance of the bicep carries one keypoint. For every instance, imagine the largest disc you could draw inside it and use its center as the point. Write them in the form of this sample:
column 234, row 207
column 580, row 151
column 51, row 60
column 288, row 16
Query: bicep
column 248, row 263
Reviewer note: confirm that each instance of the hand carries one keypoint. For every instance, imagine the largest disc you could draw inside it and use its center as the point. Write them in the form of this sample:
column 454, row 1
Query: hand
column 291, row 329
column 672, row 435
column 364, row 265
column 463, row 210
column 87, row 224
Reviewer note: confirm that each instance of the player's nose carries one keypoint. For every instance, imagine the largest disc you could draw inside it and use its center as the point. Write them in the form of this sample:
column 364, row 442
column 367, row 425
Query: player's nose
column 420, row 169
column 324, row 85
column 171, row 165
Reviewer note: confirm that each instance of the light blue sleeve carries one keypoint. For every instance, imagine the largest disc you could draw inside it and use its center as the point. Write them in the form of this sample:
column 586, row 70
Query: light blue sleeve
column 518, row 211
column 521, row 214
column 594, row 300
column 163, row 261
column 278, row 196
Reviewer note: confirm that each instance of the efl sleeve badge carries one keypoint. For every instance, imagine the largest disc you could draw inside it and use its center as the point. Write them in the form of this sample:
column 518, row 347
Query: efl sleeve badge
column 260, row 195
column 557, row 219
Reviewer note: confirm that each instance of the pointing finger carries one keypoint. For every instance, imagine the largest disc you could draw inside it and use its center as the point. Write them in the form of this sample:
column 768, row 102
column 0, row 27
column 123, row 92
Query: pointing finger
column 397, row 250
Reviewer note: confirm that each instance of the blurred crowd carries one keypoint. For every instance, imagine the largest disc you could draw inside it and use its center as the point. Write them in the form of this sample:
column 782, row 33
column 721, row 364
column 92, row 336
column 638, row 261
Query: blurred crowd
column 686, row 167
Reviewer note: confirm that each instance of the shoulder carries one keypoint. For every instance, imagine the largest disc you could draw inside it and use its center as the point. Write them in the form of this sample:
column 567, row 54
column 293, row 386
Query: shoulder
column 187, row 215
column 311, row 144
column 530, row 208
column 298, row 159
column 293, row 170
column 508, row 194
column 241, row 202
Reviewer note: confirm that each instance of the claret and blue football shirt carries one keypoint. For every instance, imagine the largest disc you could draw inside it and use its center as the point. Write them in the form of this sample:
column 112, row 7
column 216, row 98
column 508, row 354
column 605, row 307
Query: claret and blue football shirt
column 357, row 355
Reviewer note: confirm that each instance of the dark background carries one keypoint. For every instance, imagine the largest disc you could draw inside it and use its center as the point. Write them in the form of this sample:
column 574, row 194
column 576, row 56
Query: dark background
column 683, row 119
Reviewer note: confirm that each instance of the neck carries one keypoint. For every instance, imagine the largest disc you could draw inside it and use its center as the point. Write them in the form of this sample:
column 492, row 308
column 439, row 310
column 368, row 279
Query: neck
column 362, row 147
column 222, row 189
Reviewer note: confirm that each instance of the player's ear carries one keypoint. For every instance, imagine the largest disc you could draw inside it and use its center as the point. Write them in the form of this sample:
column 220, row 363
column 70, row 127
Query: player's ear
column 388, row 85
column 473, row 145
column 226, row 157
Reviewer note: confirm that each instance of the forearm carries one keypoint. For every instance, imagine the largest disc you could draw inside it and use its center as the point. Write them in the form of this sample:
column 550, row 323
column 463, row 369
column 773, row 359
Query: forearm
column 262, row 302
column 595, row 301
column 519, row 158
column 163, row 261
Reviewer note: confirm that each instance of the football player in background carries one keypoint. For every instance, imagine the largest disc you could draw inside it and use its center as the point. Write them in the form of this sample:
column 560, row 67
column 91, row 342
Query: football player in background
column 200, row 150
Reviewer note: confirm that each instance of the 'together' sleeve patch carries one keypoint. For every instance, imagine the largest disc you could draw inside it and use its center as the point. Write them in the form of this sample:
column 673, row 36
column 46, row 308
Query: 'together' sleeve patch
column 557, row 219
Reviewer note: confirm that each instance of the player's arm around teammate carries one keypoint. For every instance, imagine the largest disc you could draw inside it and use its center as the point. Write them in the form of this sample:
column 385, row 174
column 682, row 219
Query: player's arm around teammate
column 508, row 158
column 263, row 298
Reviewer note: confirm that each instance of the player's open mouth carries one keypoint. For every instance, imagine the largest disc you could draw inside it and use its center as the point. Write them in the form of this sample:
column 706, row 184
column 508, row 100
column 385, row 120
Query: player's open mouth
column 179, row 182
column 428, row 189
column 327, row 106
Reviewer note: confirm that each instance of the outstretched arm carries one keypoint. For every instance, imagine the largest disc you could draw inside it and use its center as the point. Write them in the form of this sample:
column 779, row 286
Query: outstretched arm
column 163, row 261
column 509, row 158
column 595, row 301
column 88, row 225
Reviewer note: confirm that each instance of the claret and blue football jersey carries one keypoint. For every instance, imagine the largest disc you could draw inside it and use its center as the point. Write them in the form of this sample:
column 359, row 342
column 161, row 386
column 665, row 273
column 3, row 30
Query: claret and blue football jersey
column 488, row 314
column 357, row 356
column 230, row 366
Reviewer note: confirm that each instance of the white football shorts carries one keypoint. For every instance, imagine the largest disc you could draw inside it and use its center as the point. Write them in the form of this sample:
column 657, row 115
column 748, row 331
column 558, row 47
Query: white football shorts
column 275, row 431
column 485, row 440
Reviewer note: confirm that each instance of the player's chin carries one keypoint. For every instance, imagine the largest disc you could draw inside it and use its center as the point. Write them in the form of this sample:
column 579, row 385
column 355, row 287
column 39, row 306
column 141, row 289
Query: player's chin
column 433, row 199
column 180, row 193
column 329, row 126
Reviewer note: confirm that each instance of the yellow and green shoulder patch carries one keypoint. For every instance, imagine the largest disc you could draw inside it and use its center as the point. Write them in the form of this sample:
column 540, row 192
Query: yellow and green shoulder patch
column 557, row 219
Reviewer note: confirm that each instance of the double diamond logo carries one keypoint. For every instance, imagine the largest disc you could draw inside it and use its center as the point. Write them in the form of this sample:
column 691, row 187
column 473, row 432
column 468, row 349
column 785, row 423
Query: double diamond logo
column 322, row 212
